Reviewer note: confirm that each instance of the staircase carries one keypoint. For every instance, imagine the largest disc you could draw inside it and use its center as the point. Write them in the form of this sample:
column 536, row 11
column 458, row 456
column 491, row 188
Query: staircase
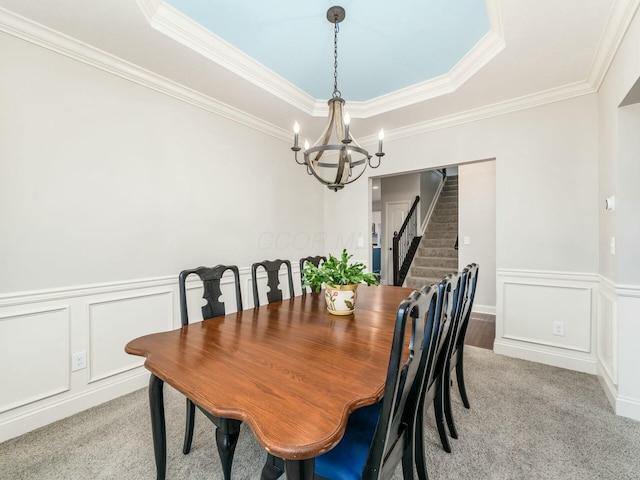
column 437, row 255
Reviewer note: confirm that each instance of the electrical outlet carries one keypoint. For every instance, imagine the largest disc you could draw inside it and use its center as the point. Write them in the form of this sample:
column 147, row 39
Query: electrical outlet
column 78, row 361
column 558, row 328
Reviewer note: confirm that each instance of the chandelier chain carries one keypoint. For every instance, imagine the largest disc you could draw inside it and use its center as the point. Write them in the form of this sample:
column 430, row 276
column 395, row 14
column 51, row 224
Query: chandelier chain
column 336, row 29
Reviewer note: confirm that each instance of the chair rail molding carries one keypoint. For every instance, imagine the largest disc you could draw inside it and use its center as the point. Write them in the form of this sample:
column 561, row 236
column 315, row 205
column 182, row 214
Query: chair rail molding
column 547, row 317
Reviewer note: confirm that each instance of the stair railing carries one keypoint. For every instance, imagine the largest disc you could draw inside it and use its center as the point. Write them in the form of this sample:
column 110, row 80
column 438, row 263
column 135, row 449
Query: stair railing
column 403, row 241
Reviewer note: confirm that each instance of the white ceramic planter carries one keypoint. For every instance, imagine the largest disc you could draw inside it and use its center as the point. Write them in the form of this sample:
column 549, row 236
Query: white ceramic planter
column 341, row 299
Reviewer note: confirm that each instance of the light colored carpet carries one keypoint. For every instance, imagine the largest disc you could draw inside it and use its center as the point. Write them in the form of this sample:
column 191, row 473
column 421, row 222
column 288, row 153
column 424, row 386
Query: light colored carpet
column 527, row 421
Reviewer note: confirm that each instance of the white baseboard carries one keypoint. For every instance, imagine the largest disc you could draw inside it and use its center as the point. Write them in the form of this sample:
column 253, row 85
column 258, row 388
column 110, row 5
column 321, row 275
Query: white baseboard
column 486, row 309
column 36, row 418
column 628, row 407
column 610, row 390
column 541, row 355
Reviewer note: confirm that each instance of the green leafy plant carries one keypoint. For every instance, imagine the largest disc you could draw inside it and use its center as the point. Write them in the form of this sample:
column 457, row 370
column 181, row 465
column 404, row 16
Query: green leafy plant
column 335, row 272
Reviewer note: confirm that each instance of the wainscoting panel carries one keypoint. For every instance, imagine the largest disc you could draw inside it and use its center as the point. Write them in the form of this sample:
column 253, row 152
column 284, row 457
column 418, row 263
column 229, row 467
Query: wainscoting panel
column 34, row 354
column 532, row 306
column 116, row 321
column 530, row 312
column 46, row 327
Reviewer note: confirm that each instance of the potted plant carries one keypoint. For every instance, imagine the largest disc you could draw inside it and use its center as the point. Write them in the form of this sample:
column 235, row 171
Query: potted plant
column 341, row 279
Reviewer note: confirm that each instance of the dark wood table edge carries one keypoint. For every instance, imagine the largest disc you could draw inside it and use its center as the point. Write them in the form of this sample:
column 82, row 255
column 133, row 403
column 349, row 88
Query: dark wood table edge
column 295, row 469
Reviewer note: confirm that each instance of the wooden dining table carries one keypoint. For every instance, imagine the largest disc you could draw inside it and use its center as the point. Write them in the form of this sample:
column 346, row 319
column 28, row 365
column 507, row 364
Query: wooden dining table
column 290, row 370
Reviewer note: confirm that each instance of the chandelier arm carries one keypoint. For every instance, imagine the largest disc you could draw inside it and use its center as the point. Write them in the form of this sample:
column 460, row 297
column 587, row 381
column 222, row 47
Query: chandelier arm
column 379, row 161
column 304, row 162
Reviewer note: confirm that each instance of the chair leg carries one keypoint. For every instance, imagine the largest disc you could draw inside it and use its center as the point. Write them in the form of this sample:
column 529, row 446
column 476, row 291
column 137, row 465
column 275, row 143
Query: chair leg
column 273, row 468
column 460, row 378
column 188, row 428
column 421, row 464
column 226, row 439
column 448, row 411
column 407, row 458
column 439, row 410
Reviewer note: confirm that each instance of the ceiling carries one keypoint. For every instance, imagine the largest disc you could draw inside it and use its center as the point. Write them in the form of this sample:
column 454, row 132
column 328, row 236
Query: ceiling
column 519, row 53
column 381, row 48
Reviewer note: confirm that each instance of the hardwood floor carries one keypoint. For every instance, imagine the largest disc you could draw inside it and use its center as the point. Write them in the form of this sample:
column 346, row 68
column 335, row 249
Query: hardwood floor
column 481, row 331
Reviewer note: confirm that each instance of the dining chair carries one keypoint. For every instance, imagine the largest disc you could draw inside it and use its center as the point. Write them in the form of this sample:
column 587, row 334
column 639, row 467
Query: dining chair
column 456, row 358
column 380, row 436
column 314, row 261
column 227, row 430
column 449, row 291
column 272, row 268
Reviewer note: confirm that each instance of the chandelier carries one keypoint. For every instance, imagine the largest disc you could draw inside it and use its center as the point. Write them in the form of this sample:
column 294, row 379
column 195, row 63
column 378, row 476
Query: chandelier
column 344, row 161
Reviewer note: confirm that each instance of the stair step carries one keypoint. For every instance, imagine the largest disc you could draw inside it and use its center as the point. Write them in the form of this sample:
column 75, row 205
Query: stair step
column 419, row 282
column 447, row 206
column 440, row 262
column 430, row 272
column 443, row 227
column 440, row 252
column 442, row 213
column 443, row 218
column 438, row 242
column 443, row 235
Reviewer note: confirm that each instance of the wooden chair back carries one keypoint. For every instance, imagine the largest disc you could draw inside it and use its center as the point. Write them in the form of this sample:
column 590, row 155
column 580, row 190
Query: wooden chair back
column 211, row 277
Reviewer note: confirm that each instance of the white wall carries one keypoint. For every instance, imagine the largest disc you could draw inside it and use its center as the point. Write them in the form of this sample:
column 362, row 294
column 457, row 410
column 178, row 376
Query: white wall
column 477, row 220
column 107, row 190
column 429, row 183
column 546, row 219
column 619, row 153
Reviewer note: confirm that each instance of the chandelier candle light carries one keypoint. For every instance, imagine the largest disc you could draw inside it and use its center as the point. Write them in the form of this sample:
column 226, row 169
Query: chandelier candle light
column 351, row 160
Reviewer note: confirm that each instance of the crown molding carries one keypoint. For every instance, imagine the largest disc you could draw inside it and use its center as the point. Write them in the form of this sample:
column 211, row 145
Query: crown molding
column 618, row 22
column 522, row 103
column 173, row 23
column 45, row 37
column 482, row 52
column 616, row 26
column 486, row 49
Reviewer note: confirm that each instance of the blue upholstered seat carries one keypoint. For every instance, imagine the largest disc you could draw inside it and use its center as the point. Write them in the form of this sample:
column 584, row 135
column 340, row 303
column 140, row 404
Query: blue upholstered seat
column 346, row 460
